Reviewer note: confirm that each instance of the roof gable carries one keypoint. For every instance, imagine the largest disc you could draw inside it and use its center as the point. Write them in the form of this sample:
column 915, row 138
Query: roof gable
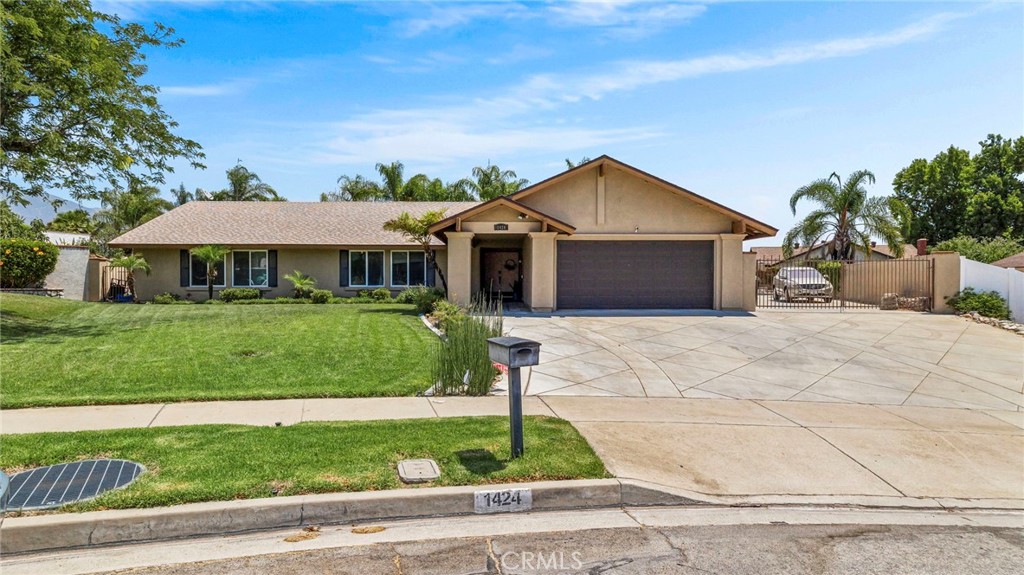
column 751, row 227
column 454, row 220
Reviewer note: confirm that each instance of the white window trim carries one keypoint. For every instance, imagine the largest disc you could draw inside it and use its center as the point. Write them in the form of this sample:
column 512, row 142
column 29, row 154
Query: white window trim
column 223, row 279
column 250, row 284
column 408, row 268
column 384, row 272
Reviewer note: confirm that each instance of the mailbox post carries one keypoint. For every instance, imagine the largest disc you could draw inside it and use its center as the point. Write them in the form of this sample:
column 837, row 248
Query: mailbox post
column 514, row 353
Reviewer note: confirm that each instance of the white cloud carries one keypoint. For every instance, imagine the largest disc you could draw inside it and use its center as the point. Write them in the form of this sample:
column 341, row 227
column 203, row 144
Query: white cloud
column 514, row 120
column 625, row 18
column 520, row 53
column 206, row 90
column 621, row 18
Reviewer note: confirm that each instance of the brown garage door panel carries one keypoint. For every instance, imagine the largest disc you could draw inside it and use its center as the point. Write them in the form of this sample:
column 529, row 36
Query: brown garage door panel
column 635, row 274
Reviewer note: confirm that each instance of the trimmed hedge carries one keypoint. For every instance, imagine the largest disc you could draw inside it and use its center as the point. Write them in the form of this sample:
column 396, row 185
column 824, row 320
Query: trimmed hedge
column 26, row 263
column 236, row 294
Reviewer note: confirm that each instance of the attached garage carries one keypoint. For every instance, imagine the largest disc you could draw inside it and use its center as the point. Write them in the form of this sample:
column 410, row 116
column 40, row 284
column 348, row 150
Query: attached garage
column 635, row 274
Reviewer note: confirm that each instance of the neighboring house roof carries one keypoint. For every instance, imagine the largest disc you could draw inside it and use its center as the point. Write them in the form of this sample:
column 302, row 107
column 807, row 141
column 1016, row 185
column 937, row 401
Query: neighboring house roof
column 280, row 224
column 775, row 252
column 754, row 228
column 453, row 220
column 1014, row 261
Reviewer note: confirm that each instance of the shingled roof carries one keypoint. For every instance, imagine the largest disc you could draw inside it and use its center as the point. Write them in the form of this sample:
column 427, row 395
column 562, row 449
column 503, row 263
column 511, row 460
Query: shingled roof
column 1014, row 261
column 280, row 224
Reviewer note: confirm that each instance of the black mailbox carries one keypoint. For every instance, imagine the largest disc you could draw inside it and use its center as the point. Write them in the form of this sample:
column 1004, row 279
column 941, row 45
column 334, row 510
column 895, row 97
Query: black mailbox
column 514, row 351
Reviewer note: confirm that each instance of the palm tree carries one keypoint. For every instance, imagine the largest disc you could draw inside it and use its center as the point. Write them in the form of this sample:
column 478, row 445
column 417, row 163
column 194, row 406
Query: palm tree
column 357, row 189
column 132, row 263
column 394, row 187
column 492, row 182
column 74, row 221
column 246, row 186
column 846, row 217
column 128, row 209
column 302, row 283
column 211, row 255
column 417, row 230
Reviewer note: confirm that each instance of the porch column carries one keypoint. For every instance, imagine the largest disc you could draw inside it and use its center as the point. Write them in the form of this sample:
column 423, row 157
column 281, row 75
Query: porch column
column 460, row 266
column 542, row 270
column 732, row 282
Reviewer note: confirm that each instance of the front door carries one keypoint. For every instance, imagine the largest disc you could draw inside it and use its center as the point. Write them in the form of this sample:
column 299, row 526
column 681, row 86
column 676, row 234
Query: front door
column 501, row 273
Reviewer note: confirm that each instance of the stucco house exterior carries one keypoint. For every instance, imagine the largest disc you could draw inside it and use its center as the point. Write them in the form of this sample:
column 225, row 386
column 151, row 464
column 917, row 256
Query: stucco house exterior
column 603, row 235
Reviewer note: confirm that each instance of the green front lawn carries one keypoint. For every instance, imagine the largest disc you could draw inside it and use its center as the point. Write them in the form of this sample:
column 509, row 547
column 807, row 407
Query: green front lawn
column 56, row 352
column 224, row 462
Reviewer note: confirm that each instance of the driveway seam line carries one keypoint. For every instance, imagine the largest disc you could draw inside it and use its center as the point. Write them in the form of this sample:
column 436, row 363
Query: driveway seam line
column 834, row 446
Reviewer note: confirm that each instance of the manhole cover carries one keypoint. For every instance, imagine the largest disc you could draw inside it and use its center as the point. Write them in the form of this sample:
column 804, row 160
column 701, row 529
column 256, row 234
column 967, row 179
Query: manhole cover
column 56, row 485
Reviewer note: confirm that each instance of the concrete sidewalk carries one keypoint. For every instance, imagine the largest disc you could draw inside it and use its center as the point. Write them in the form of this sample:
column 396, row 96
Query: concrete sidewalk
column 761, row 451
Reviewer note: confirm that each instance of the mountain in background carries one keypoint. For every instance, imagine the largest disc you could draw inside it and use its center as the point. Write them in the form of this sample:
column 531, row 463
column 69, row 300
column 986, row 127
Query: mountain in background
column 40, row 207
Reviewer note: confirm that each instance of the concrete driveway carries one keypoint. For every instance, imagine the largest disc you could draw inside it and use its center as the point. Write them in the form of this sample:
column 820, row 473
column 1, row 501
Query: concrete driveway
column 872, row 357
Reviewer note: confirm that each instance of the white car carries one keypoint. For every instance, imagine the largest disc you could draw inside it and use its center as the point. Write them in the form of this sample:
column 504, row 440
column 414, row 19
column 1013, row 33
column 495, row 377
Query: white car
column 801, row 283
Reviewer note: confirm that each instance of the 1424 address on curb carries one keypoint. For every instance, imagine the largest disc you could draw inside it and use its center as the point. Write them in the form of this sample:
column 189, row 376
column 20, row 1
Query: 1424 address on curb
column 503, row 500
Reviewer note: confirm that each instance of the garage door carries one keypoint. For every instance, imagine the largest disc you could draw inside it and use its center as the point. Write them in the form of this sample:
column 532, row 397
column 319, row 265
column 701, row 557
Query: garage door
column 635, row 274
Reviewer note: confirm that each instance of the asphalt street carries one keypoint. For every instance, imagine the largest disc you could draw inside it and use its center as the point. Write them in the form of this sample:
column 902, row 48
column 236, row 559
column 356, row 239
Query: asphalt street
column 726, row 541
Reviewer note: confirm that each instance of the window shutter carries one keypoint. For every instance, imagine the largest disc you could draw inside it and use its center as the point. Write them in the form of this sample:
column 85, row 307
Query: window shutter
column 272, row 268
column 430, row 279
column 343, row 267
column 186, row 258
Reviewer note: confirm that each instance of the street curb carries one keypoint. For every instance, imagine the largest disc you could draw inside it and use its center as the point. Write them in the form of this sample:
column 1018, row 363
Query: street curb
column 98, row 528
column 73, row 530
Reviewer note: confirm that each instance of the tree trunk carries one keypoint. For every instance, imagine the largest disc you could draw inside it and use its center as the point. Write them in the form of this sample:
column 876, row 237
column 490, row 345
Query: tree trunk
column 210, row 271
column 437, row 268
column 131, row 285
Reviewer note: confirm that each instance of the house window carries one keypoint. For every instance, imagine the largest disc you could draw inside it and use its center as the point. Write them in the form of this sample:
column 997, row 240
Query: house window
column 197, row 273
column 408, row 269
column 366, row 269
column 250, row 269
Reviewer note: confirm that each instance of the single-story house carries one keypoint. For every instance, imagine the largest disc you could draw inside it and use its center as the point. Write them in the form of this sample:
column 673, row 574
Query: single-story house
column 879, row 252
column 602, row 235
column 1014, row 262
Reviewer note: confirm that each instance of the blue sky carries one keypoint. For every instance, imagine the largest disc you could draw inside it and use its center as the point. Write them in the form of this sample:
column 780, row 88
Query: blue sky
column 740, row 102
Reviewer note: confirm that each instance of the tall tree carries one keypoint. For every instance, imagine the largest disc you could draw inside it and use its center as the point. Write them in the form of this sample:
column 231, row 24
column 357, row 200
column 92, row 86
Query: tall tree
column 13, row 226
column 997, row 206
column 123, row 210
column 936, row 194
column 211, row 255
column 417, row 230
column 846, row 218
column 246, row 186
column 74, row 221
column 570, row 164
column 491, row 182
column 357, row 189
column 74, row 113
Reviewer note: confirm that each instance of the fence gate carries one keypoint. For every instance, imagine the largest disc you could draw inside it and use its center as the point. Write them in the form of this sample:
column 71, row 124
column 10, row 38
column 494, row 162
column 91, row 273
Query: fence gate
column 798, row 283
column 116, row 280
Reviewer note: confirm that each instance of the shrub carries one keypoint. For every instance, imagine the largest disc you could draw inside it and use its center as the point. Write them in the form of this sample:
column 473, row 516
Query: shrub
column 446, row 314
column 831, row 271
column 422, row 297
column 981, row 249
column 166, row 298
column 988, row 304
column 462, row 363
column 302, row 284
column 237, row 294
column 321, row 296
column 382, row 295
column 26, row 263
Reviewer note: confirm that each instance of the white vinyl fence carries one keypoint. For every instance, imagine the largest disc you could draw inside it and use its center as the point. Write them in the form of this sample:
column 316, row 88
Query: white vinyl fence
column 1009, row 283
